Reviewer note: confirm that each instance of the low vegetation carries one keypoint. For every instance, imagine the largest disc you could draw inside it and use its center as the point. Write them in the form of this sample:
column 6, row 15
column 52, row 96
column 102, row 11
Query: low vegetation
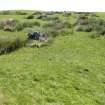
column 9, row 42
column 69, row 69
column 91, row 24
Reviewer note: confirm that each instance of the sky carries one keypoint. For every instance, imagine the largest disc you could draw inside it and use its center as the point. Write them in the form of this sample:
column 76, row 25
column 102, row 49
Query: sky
column 54, row 5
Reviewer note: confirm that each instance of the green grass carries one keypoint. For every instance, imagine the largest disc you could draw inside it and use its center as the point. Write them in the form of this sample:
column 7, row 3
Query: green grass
column 70, row 71
column 19, row 17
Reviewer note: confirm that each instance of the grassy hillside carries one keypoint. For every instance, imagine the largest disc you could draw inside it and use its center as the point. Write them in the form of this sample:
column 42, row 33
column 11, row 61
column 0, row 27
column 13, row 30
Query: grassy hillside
column 69, row 71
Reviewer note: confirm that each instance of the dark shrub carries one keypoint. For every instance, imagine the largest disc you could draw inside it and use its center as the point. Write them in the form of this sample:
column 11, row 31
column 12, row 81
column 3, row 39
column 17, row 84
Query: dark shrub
column 66, row 24
column 20, row 13
column 82, row 20
column 5, row 12
column 49, row 24
column 94, row 15
column 27, row 24
column 85, row 28
column 1, row 26
column 94, row 24
column 51, row 18
column 94, row 35
column 30, row 17
column 97, row 25
column 37, row 13
column 36, row 23
column 51, row 32
column 18, row 27
column 67, row 14
column 43, row 17
column 61, row 25
column 55, row 28
column 48, row 17
column 9, row 44
column 50, row 13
